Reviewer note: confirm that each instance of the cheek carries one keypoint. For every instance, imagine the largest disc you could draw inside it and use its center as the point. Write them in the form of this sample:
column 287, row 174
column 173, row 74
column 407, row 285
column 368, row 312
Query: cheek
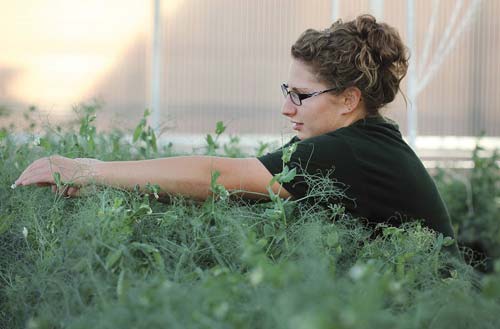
column 322, row 120
column 319, row 115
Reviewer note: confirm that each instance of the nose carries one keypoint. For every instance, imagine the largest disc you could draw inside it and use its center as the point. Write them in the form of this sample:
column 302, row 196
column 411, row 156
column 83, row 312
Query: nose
column 288, row 109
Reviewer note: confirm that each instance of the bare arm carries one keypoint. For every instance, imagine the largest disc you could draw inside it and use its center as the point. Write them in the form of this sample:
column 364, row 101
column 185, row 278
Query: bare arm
column 188, row 176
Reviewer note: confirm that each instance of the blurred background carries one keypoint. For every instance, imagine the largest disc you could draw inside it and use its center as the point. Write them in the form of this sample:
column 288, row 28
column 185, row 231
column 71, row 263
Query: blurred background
column 225, row 60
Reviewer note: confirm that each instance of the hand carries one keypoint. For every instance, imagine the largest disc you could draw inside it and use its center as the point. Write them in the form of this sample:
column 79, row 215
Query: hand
column 73, row 173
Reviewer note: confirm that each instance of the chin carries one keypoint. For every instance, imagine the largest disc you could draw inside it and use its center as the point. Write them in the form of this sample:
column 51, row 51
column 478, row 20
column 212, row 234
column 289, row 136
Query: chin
column 302, row 136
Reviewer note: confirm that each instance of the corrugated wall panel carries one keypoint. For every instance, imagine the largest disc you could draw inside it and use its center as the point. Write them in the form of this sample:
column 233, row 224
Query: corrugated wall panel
column 225, row 59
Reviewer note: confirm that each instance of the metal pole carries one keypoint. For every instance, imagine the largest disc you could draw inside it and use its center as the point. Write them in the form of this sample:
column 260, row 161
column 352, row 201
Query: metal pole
column 412, row 79
column 156, row 67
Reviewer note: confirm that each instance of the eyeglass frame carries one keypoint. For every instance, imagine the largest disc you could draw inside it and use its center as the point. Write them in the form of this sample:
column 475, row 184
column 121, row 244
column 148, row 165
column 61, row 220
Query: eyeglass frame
column 301, row 97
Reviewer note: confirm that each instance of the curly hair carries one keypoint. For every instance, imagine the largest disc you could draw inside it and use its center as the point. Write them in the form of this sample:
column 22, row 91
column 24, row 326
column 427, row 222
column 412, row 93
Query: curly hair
column 360, row 53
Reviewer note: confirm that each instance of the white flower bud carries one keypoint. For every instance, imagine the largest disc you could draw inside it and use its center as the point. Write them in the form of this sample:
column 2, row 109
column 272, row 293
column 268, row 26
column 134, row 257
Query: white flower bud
column 357, row 272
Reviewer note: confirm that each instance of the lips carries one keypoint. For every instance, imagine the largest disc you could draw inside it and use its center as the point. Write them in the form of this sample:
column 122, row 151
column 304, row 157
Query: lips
column 296, row 125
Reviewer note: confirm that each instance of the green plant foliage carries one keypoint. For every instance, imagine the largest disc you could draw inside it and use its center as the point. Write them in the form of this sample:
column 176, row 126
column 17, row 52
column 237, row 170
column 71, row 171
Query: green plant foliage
column 121, row 259
column 473, row 200
column 147, row 136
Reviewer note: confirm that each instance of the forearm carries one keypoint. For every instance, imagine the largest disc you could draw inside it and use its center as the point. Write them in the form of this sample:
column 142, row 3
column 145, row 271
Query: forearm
column 188, row 176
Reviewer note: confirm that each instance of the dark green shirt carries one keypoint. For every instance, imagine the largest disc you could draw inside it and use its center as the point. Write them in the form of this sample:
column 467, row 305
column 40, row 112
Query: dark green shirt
column 382, row 177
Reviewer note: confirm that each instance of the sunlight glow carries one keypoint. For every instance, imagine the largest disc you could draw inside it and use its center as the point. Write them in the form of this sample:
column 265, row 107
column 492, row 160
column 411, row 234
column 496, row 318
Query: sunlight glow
column 60, row 48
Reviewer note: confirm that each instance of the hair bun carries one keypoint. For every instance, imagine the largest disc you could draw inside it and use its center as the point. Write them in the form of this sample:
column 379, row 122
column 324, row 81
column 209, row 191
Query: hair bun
column 365, row 24
column 382, row 40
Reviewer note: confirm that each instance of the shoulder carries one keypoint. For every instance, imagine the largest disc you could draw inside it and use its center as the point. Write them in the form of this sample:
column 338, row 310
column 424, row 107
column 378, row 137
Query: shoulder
column 325, row 152
column 314, row 147
column 324, row 148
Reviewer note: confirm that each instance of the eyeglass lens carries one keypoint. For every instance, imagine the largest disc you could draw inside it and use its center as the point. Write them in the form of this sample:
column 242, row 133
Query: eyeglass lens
column 293, row 96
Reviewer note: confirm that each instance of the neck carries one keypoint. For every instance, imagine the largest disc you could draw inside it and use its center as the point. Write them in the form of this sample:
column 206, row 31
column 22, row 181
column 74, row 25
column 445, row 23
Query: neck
column 353, row 117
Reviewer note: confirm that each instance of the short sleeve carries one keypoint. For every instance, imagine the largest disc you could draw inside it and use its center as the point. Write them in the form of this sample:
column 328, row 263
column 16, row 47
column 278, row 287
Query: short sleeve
column 325, row 156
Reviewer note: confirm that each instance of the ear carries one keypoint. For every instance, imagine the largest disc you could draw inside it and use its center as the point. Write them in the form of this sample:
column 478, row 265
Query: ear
column 351, row 97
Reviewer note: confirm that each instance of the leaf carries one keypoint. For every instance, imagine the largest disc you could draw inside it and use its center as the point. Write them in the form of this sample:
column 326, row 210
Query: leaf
column 143, row 209
column 219, row 127
column 45, row 144
column 213, row 179
column 439, row 241
column 288, row 176
column 57, row 178
column 153, row 140
column 448, row 241
column 83, row 128
column 273, row 180
column 117, row 202
column 262, row 243
column 262, row 147
column 144, row 247
column 150, row 250
column 218, row 189
column 269, row 230
column 137, row 133
column 210, row 140
column 91, row 144
column 287, row 153
column 112, row 258
column 274, row 213
column 332, row 239
column 280, row 236
column 388, row 231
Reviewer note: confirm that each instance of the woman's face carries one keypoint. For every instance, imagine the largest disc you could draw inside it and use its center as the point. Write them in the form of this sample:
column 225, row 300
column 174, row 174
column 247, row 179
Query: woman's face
column 318, row 114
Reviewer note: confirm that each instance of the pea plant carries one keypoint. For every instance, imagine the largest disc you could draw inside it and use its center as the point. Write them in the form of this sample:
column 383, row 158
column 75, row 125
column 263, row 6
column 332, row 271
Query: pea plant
column 212, row 142
column 147, row 136
column 118, row 258
column 277, row 212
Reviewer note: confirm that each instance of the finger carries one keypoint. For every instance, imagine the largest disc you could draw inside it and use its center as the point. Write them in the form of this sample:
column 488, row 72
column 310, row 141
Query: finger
column 46, row 165
column 34, row 167
column 73, row 192
column 23, row 175
column 38, row 176
column 43, row 184
column 41, row 171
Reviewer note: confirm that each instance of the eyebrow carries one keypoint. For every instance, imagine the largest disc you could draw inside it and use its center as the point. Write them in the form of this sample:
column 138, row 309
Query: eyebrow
column 300, row 90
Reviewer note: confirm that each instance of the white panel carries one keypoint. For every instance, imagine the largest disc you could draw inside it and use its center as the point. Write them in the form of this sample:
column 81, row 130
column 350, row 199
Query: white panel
column 224, row 60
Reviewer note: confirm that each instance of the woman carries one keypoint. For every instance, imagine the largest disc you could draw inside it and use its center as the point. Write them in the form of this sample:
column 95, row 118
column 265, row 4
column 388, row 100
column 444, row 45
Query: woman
column 339, row 79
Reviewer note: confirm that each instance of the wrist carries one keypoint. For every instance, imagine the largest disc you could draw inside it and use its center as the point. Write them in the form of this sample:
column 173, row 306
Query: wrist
column 92, row 170
column 97, row 172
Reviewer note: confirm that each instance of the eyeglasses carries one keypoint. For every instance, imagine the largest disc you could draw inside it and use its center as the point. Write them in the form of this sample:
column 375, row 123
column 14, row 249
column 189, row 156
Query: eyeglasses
column 298, row 98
